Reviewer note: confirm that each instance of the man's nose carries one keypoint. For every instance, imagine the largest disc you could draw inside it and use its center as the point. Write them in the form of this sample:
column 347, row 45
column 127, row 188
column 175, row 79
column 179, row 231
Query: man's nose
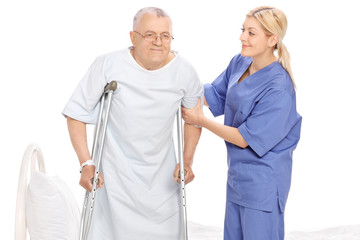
column 158, row 40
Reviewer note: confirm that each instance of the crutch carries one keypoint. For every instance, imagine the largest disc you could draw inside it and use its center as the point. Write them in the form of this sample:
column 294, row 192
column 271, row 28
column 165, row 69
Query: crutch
column 96, row 155
column 182, row 170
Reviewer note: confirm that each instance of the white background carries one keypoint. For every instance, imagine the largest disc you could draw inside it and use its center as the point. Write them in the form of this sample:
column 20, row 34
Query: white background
column 47, row 46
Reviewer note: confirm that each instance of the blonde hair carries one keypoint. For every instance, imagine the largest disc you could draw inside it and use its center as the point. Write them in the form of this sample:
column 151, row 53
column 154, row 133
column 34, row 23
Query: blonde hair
column 273, row 22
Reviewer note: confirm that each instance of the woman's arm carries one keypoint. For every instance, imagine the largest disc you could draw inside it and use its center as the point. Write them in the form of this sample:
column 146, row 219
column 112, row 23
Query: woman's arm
column 196, row 116
column 205, row 102
column 229, row 134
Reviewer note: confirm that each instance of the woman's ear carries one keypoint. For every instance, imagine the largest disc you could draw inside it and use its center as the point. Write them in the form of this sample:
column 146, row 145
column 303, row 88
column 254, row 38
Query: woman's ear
column 273, row 40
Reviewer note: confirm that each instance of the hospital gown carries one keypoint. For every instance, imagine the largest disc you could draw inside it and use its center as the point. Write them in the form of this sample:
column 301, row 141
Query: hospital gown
column 140, row 199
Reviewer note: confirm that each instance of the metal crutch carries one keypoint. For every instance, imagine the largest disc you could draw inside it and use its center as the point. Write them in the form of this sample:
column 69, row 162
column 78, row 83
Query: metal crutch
column 182, row 170
column 96, row 155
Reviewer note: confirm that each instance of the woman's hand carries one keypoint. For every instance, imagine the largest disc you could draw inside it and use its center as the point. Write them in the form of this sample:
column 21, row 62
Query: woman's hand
column 194, row 115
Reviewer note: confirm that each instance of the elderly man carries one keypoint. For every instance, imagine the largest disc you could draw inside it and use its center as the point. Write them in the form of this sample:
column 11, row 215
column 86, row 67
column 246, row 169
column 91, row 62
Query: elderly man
column 139, row 198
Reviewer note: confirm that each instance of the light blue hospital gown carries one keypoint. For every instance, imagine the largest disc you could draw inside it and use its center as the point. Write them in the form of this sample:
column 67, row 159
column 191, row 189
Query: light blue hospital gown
column 140, row 199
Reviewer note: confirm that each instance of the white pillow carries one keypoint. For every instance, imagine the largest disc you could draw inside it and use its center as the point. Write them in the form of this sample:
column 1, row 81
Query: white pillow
column 45, row 205
column 51, row 210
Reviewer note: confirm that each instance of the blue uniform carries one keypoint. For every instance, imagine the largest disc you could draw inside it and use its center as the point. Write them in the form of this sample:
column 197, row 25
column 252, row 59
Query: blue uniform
column 263, row 108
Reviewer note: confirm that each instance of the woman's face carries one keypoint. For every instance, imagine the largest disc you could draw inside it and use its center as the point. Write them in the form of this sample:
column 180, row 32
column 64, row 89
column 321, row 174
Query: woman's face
column 254, row 40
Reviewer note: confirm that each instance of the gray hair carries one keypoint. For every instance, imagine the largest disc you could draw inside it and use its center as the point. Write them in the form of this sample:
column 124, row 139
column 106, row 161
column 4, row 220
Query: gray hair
column 151, row 10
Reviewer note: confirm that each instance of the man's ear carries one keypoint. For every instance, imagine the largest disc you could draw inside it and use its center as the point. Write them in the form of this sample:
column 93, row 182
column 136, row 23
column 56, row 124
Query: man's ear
column 132, row 38
column 273, row 40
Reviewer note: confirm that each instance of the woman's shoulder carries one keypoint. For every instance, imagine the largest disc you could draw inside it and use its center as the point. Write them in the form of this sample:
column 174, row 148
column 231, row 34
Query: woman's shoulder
column 280, row 78
column 238, row 58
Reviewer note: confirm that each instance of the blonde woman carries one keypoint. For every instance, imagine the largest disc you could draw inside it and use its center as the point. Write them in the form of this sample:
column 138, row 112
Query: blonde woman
column 261, row 128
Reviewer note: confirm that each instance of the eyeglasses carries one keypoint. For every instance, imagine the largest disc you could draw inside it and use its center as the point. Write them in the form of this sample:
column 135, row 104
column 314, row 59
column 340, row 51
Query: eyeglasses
column 150, row 37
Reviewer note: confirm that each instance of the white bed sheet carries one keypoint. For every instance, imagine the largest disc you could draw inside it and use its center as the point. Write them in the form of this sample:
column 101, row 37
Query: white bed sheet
column 202, row 232
column 336, row 233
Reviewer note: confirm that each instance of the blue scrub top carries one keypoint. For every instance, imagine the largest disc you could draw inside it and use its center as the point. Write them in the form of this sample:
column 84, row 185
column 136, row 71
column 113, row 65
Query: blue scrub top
column 263, row 108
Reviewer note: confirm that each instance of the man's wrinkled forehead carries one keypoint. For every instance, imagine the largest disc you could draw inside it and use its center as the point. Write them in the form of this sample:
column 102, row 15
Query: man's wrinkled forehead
column 152, row 22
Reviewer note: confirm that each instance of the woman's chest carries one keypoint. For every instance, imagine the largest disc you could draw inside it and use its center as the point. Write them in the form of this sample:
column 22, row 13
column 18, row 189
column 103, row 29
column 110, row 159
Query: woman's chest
column 241, row 99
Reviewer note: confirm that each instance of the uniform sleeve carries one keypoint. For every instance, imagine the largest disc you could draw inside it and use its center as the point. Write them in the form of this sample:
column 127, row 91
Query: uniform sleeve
column 215, row 93
column 83, row 104
column 268, row 122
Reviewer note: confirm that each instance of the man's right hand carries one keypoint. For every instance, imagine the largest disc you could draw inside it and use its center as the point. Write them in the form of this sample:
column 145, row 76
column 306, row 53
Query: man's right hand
column 87, row 176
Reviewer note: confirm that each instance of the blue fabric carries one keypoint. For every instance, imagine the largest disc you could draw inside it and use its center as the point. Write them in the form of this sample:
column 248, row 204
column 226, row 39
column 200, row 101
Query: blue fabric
column 263, row 108
column 249, row 224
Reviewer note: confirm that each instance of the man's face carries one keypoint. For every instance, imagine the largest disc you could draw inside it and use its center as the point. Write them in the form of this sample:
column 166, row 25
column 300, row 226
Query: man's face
column 151, row 54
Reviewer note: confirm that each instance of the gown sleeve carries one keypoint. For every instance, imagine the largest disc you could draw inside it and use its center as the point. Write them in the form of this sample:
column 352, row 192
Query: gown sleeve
column 83, row 104
column 194, row 89
column 269, row 122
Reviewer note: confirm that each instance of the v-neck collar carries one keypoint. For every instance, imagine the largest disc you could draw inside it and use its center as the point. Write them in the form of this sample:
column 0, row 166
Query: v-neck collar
column 253, row 77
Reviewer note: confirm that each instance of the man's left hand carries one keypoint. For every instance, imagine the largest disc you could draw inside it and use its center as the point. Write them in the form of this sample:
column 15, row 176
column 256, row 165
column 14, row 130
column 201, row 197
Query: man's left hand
column 189, row 175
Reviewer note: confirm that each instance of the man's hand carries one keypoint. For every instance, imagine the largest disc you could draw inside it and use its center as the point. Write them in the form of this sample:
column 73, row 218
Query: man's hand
column 87, row 176
column 189, row 175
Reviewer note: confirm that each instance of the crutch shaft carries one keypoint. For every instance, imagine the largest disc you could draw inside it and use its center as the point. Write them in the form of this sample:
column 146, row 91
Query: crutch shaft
column 97, row 150
column 182, row 171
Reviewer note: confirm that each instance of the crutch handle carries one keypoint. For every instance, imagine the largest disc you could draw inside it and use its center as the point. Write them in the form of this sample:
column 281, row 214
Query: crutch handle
column 185, row 172
column 110, row 86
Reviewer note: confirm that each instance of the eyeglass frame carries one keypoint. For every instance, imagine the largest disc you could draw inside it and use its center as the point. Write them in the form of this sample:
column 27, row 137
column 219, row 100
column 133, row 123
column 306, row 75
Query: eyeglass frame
column 155, row 37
